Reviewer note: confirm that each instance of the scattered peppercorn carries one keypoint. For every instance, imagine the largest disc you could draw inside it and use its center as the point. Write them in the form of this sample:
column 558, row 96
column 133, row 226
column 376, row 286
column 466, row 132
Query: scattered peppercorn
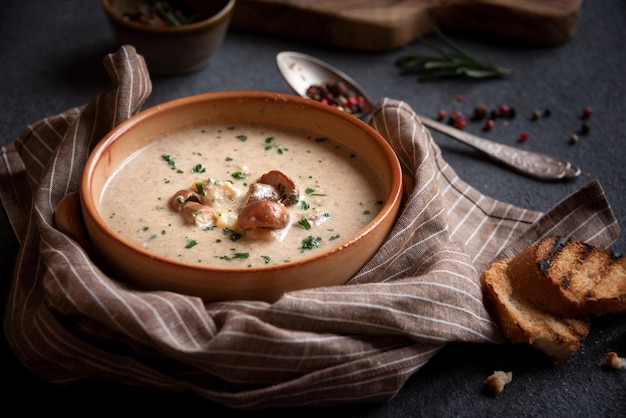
column 536, row 115
column 511, row 113
column 489, row 124
column 457, row 119
column 573, row 139
column 585, row 128
column 480, row 112
column 547, row 112
column 441, row 115
column 459, row 98
column 587, row 112
column 460, row 123
column 503, row 110
column 522, row 137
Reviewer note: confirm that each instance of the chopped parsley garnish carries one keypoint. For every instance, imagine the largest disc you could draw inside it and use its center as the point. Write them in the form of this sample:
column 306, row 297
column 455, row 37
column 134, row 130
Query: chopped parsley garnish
column 232, row 235
column 238, row 175
column 270, row 144
column 310, row 242
column 191, row 243
column 304, row 223
column 304, row 205
column 234, row 256
column 242, row 138
column 169, row 159
column 334, row 237
column 311, row 192
column 266, row 258
column 198, row 168
column 200, row 188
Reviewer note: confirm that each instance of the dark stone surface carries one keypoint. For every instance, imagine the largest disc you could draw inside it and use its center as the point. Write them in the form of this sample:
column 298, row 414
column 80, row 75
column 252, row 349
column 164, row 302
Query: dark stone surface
column 51, row 57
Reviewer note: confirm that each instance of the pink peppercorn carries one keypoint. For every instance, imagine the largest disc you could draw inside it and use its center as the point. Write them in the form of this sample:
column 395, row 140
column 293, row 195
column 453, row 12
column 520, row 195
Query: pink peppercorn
column 489, row 124
column 522, row 137
column 460, row 123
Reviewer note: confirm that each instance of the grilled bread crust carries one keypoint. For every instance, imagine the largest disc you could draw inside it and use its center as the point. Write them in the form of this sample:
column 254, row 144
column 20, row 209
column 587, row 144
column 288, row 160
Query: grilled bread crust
column 569, row 277
column 522, row 321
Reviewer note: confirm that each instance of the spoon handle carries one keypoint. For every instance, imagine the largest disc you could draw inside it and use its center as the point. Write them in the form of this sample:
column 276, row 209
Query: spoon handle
column 535, row 165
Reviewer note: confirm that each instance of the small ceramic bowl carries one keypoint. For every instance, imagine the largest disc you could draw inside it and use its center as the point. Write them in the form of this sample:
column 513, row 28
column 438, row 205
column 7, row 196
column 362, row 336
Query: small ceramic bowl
column 332, row 266
column 171, row 50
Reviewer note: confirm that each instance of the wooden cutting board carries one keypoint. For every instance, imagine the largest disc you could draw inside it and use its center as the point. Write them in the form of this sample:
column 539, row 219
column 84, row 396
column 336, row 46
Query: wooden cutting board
column 379, row 25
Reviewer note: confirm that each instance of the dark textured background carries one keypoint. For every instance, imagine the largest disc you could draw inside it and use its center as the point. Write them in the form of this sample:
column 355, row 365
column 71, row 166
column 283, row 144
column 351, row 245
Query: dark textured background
column 50, row 60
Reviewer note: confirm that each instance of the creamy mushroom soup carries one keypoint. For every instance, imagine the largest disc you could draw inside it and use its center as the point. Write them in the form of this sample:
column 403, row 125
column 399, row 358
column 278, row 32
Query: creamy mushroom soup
column 240, row 196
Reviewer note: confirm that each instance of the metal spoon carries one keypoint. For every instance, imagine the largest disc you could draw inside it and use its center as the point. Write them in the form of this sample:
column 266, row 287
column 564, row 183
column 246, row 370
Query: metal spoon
column 301, row 71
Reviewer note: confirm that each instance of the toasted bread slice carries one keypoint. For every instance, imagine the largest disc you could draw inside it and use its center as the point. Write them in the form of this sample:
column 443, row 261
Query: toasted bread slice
column 569, row 277
column 522, row 321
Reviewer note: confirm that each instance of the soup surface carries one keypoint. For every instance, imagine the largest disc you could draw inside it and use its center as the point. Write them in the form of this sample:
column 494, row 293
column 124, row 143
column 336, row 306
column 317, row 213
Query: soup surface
column 148, row 202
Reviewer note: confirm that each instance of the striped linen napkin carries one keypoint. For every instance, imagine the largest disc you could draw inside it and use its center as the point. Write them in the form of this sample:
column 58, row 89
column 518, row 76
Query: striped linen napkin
column 360, row 342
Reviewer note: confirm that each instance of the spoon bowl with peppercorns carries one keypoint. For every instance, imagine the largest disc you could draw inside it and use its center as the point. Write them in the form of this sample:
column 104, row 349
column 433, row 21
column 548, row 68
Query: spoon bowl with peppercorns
column 315, row 79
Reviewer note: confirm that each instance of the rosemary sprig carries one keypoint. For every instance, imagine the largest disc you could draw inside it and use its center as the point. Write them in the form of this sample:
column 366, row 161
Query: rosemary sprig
column 450, row 62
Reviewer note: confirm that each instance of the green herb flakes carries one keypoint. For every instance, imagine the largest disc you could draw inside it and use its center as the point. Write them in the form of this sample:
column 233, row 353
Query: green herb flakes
column 232, row 235
column 310, row 243
column 241, row 256
column 311, row 192
column 198, row 168
column 191, row 243
column 169, row 159
column 200, row 188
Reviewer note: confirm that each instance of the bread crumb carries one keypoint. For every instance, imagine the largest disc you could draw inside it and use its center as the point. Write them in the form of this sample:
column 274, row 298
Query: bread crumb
column 614, row 361
column 496, row 382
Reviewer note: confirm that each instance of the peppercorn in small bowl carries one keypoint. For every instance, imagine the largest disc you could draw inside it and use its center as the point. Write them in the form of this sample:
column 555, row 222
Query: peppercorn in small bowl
column 174, row 36
column 239, row 195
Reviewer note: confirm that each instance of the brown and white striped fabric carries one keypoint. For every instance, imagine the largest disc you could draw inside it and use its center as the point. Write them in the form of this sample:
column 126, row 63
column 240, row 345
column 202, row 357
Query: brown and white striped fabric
column 66, row 320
